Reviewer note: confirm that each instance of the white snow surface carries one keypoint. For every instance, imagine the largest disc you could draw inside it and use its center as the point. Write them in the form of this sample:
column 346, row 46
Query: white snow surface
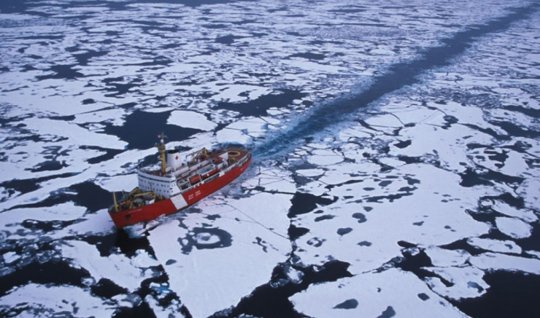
column 494, row 261
column 495, row 245
column 514, row 228
column 466, row 282
column 118, row 268
column 43, row 301
column 190, row 119
column 374, row 293
column 211, row 280
column 414, row 167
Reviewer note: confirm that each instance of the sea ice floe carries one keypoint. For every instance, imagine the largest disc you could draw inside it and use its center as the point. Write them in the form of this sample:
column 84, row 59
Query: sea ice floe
column 493, row 245
column 213, row 278
column 324, row 157
column 528, row 190
column 447, row 144
column 397, row 205
column 190, row 119
column 533, row 253
column 123, row 271
column 460, row 282
column 34, row 300
column 392, row 290
column 441, row 257
column 240, row 93
column 118, row 182
column 10, row 257
column 310, row 172
column 394, row 178
column 494, row 261
column 508, row 210
column 62, row 212
column 271, row 180
column 114, row 116
column 514, row 228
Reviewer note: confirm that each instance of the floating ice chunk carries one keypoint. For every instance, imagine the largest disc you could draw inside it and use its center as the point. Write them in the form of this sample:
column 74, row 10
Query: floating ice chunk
column 392, row 162
column 441, row 257
column 227, row 135
column 190, row 119
column 75, row 133
column 506, row 209
column 514, row 165
column 391, row 210
column 353, row 133
column 36, row 300
column 116, row 183
column 235, row 93
column 533, row 253
column 255, row 127
column 310, row 172
column 403, row 292
column 202, row 239
column 449, row 144
column 242, row 131
column 313, row 66
column 173, row 310
column 160, row 110
column 257, row 226
column 294, row 275
column 515, row 228
column 10, row 257
column 99, row 223
column 118, row 268
column 272, row 179
column 341, row 173
column 386, row 122
column 495, row 245
column 528, row 190
column 324, row 157
column 143, row 259
column 317, row 145
column 114, row 116
column 62, row 212
column 465, row 282
column 493, row 262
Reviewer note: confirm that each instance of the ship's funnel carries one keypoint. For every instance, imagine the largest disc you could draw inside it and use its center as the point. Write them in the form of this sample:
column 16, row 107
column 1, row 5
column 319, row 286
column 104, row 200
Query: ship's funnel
column 173, row 159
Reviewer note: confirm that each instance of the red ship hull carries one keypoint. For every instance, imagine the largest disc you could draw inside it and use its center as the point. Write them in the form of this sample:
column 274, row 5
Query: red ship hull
column 167, row 206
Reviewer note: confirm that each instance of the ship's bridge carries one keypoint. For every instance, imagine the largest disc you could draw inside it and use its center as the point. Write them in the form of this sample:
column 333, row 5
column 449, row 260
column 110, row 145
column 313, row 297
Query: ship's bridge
column 164, row 186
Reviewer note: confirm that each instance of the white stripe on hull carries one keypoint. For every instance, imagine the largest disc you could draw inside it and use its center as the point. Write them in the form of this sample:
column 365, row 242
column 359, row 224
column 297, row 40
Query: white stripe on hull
column 178, row 201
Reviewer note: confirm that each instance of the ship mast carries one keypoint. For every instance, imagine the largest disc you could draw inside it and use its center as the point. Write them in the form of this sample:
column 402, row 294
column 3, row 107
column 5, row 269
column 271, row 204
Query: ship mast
column 162, row 153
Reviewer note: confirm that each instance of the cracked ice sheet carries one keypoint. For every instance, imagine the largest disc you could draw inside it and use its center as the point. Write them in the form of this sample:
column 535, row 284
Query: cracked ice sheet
column 96, row 173
column 495, row 261
column 495, row 245
column 42, row 301
column 374, row 294
column 243, row 130
column 438, row 203
column 261, row 45
column 514, row 228
column 190, row 119
column 123, row 271
column 213, row 279
column 61, row 142
column 12, row 222
column 465, row 282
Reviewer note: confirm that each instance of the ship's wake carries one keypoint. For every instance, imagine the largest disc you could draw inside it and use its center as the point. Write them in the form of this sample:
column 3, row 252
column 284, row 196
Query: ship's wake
column 326, row 114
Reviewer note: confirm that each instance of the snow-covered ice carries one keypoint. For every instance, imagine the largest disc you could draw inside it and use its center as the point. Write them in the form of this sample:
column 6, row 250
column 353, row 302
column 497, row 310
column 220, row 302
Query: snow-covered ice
column 421, row 191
